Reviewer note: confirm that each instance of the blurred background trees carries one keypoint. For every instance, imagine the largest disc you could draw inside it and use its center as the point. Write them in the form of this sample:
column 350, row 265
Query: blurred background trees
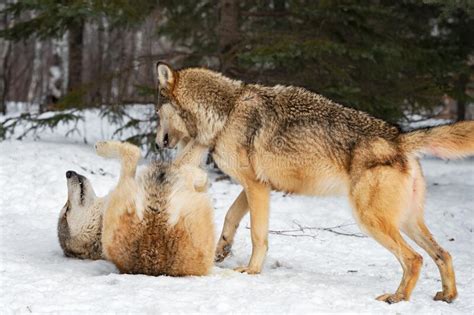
column 385, row 57
column 390, row 58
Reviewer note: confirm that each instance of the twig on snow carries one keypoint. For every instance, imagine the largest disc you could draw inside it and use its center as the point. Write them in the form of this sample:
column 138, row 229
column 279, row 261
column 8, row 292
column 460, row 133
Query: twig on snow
column 301, row 231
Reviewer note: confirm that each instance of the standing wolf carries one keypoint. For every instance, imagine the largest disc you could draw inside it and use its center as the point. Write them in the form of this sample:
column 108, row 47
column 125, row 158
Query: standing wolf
column 289, row 139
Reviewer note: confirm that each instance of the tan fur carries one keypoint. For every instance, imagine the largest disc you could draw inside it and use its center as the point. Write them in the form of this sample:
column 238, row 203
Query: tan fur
column 159, row 222
column 137, row 235
column 446, row 142
column 289, row 139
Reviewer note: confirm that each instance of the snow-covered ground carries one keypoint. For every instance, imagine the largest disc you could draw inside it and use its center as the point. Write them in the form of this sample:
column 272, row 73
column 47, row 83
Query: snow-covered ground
column 315, row 272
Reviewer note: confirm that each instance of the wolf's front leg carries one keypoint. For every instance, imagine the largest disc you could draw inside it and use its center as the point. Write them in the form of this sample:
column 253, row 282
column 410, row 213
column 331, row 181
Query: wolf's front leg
column 127, row 153
column 237, row 211
column 258, row 196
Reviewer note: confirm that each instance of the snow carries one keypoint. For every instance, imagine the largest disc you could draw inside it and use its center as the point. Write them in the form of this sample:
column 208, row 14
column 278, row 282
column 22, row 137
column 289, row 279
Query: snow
column 319, row 272
column 427, row 123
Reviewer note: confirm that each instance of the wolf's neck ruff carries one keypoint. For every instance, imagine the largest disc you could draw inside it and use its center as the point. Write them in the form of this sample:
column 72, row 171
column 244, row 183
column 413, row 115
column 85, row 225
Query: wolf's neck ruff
column 204, row 105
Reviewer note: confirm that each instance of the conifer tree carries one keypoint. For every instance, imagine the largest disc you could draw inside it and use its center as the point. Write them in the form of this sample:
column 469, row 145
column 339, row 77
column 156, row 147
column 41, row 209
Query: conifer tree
column 379, row 56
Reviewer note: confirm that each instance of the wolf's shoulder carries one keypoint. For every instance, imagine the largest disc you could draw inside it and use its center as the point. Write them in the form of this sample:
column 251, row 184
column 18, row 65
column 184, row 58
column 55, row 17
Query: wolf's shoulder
column 294, row 102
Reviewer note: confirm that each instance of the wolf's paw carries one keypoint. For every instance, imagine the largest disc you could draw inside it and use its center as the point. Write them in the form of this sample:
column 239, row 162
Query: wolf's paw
column 115, row 149
column 107, row 149
column 392, row 298
column 248, row 270
column 222, row 250
column 201, row 182
column 447, row 297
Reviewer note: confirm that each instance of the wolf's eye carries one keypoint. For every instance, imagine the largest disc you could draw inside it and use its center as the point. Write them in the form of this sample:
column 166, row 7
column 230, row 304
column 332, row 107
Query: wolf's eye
column 158, row 119
column 161, row 100
column 66, row 205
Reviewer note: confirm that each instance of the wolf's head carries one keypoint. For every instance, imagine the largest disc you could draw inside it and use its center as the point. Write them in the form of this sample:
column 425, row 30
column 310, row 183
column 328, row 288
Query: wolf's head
column 201, row 97
column 171, row 129
column 79, row 189
column 79, row 226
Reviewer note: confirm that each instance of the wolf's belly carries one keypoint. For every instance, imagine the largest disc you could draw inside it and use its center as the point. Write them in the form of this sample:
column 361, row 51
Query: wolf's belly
column 299, row 176
column 303, row 180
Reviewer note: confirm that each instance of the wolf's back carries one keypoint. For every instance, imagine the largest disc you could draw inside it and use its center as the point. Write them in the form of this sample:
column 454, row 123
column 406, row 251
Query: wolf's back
column 447, row 142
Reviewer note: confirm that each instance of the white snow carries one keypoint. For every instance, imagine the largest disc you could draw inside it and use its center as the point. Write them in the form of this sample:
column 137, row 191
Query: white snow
column 319, row 272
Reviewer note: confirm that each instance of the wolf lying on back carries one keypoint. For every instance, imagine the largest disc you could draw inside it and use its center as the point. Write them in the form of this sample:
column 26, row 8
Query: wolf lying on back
column 159, row 222
column 289, row 139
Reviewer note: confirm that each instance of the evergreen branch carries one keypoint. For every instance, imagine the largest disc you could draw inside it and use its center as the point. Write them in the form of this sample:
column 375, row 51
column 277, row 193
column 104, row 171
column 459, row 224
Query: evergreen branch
column 34, row 123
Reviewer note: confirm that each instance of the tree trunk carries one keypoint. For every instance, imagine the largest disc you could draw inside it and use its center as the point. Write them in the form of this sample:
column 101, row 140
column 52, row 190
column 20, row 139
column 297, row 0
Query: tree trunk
column 461, row 114
column 5, row 52
column 98, row 98
column 33, row 95
column 75, row 47
column 4, row 77
column 461, row 97
column 228, row 34
column 279, row 5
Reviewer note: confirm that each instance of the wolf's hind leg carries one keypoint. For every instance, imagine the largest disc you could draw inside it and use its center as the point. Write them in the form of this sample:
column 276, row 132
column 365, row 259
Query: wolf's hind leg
column 420, row 234
column 237, row 211
column 378, row 197
column 416, row 229
column 389, row 237
column 127, row 153
column 124, row 206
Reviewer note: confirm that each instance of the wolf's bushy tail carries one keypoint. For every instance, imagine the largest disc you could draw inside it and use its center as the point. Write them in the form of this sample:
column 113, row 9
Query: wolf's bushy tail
column 447, row 142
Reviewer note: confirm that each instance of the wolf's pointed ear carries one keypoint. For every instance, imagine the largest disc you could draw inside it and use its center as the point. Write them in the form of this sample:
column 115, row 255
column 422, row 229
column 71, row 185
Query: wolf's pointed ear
column 165, row 75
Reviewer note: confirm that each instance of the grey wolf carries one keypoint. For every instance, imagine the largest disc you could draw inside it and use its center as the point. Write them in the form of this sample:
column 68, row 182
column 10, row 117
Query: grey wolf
column 289, row 139
column 80, row 220
column 159, row 222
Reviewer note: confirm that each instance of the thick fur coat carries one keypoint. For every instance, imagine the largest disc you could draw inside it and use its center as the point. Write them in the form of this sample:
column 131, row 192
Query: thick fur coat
column 159, row 222
column 289, row 139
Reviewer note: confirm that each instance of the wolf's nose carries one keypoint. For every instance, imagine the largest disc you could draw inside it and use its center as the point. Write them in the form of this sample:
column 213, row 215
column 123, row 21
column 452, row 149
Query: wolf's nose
column 69, row 174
